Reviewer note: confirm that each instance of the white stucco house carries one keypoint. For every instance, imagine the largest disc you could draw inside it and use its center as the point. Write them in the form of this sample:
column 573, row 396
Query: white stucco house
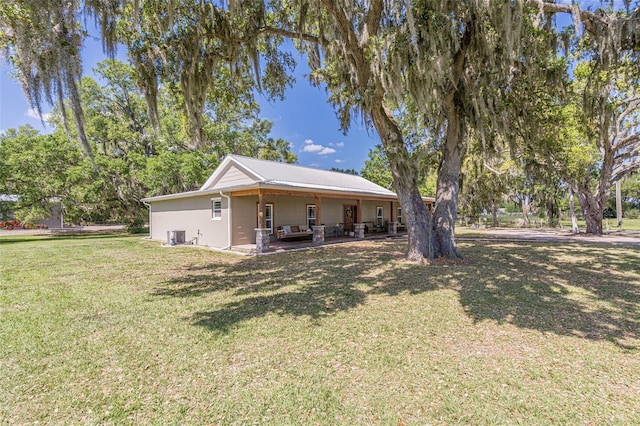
column 249, row 201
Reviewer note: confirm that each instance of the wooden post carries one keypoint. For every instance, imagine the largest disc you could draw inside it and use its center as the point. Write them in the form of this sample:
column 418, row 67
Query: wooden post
column 262, row 220
column 390, row 211
column 318, row 216
column 358, row 218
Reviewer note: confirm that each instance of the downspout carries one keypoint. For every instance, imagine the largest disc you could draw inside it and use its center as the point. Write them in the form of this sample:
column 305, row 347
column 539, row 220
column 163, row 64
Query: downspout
column 228, row 221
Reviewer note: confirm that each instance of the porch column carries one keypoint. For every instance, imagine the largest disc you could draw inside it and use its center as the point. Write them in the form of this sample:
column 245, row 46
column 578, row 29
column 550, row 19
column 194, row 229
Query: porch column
column 318, row 234
column 262, row 220
column 391, row 211
column 358, row 218
column 393, row 227
column 318, row 212
column 262, row 239
column 359, row 230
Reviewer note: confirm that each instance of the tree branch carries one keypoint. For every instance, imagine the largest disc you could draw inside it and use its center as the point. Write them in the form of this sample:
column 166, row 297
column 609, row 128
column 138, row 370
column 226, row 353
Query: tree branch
column 624, row 169
column 372, row 21
column 288, row 34
column 492, row 170
column 590, row 20
column 629, row 141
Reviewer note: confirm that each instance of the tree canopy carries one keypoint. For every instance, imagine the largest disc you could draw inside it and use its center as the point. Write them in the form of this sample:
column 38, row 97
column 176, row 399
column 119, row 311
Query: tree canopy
column 452, row 68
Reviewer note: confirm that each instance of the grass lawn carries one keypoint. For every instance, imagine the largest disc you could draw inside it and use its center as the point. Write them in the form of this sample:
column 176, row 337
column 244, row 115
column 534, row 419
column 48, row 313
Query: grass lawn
column 117, row 330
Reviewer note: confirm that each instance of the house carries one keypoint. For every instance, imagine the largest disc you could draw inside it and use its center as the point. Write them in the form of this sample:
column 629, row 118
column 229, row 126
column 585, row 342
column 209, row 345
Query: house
column 55, row 219
column 251, row 201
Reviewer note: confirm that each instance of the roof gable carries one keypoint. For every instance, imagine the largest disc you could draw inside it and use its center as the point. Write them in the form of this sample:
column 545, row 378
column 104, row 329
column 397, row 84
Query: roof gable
column 230, row 173
column 277, row 173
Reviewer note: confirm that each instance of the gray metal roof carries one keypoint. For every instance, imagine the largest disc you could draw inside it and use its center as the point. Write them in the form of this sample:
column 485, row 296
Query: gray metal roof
column 9, row 198
column 277, row 173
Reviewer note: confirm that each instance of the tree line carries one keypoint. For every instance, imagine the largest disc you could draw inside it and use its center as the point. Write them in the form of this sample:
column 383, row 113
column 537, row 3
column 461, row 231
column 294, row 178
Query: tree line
column 131, row 158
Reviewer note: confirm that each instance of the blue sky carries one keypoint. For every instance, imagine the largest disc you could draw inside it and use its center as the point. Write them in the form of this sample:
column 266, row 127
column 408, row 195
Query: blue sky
column 304, row 118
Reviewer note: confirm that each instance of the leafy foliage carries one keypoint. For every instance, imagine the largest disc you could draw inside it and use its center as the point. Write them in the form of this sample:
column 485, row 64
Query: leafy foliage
column 134, row 159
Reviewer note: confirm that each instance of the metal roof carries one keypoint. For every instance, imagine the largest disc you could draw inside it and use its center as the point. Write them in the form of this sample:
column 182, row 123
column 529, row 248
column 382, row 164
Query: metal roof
column 278, row 173
column 9, row 198
column 273, row 174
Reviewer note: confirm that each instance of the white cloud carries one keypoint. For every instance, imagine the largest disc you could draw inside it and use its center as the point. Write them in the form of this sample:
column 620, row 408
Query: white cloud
column 32, row 113
column 340, row 161
column 337, row 145
column 309, row 146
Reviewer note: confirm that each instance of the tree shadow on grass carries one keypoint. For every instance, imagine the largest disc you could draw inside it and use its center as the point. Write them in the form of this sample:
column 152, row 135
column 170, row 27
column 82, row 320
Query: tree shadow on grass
column 593, row 295
column 314, row 283
column 560, row 289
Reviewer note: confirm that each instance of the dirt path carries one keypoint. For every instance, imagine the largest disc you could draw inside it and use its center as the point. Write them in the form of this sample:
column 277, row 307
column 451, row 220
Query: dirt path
column 555, row 235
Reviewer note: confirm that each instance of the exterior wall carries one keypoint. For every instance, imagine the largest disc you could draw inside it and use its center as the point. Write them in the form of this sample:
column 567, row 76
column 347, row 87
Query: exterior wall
column 55, row 220
column 192, row 215
column 244, row 211
column 290, row 210
column 332, row 210
column 369, row 211
column 233, row 177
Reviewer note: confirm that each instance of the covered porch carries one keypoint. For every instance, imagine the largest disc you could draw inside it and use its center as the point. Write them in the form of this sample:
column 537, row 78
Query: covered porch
column 286, row 218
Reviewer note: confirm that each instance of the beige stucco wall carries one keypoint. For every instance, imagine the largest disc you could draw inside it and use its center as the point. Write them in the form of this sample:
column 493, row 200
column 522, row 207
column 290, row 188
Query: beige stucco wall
column 244, row 212
column 192, row 215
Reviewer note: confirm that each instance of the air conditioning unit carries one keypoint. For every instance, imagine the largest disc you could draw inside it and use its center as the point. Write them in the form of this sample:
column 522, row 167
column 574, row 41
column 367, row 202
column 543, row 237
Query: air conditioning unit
column 176, row 237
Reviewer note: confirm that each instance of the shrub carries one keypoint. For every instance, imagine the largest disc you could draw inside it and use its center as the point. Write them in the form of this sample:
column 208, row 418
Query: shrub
column 136, row 226
column 632, row 214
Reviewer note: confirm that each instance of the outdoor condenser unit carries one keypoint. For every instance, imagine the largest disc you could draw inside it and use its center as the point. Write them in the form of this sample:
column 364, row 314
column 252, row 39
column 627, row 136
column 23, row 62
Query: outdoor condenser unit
column 176, row 237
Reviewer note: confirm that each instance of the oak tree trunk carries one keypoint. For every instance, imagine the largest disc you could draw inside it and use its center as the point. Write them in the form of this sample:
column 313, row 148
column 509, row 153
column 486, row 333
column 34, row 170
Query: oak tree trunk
column 593, row 208
column 448, row 183
column 405, row 174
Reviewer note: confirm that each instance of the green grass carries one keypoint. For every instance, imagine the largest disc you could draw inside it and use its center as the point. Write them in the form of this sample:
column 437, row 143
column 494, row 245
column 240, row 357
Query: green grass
column 117, row 330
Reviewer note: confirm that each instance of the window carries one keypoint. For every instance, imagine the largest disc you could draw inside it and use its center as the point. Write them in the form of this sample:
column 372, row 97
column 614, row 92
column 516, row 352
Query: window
column 380, row 215
column 268, row 217
column 311, row 215
column 216, row 208
column 399, row 215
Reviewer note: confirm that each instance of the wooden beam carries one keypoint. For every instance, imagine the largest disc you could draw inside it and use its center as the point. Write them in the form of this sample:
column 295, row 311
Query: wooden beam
column 245, row 192
column 391, row 211
column 305, row 194
column 358, row 217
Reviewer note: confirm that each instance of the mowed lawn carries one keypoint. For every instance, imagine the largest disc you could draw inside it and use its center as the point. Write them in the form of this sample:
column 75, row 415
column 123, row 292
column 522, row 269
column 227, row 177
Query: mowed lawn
column 118, row 330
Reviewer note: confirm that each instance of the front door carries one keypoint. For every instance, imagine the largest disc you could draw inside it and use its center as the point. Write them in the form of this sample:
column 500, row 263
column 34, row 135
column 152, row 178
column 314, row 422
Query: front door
column 350, row 215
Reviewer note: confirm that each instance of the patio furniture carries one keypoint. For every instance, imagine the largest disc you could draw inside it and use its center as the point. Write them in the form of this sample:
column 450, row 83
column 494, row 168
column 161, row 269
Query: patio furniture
column 291, row 232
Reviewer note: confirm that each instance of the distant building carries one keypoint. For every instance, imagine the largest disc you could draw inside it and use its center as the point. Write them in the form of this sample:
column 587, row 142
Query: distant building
column 7, row 211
